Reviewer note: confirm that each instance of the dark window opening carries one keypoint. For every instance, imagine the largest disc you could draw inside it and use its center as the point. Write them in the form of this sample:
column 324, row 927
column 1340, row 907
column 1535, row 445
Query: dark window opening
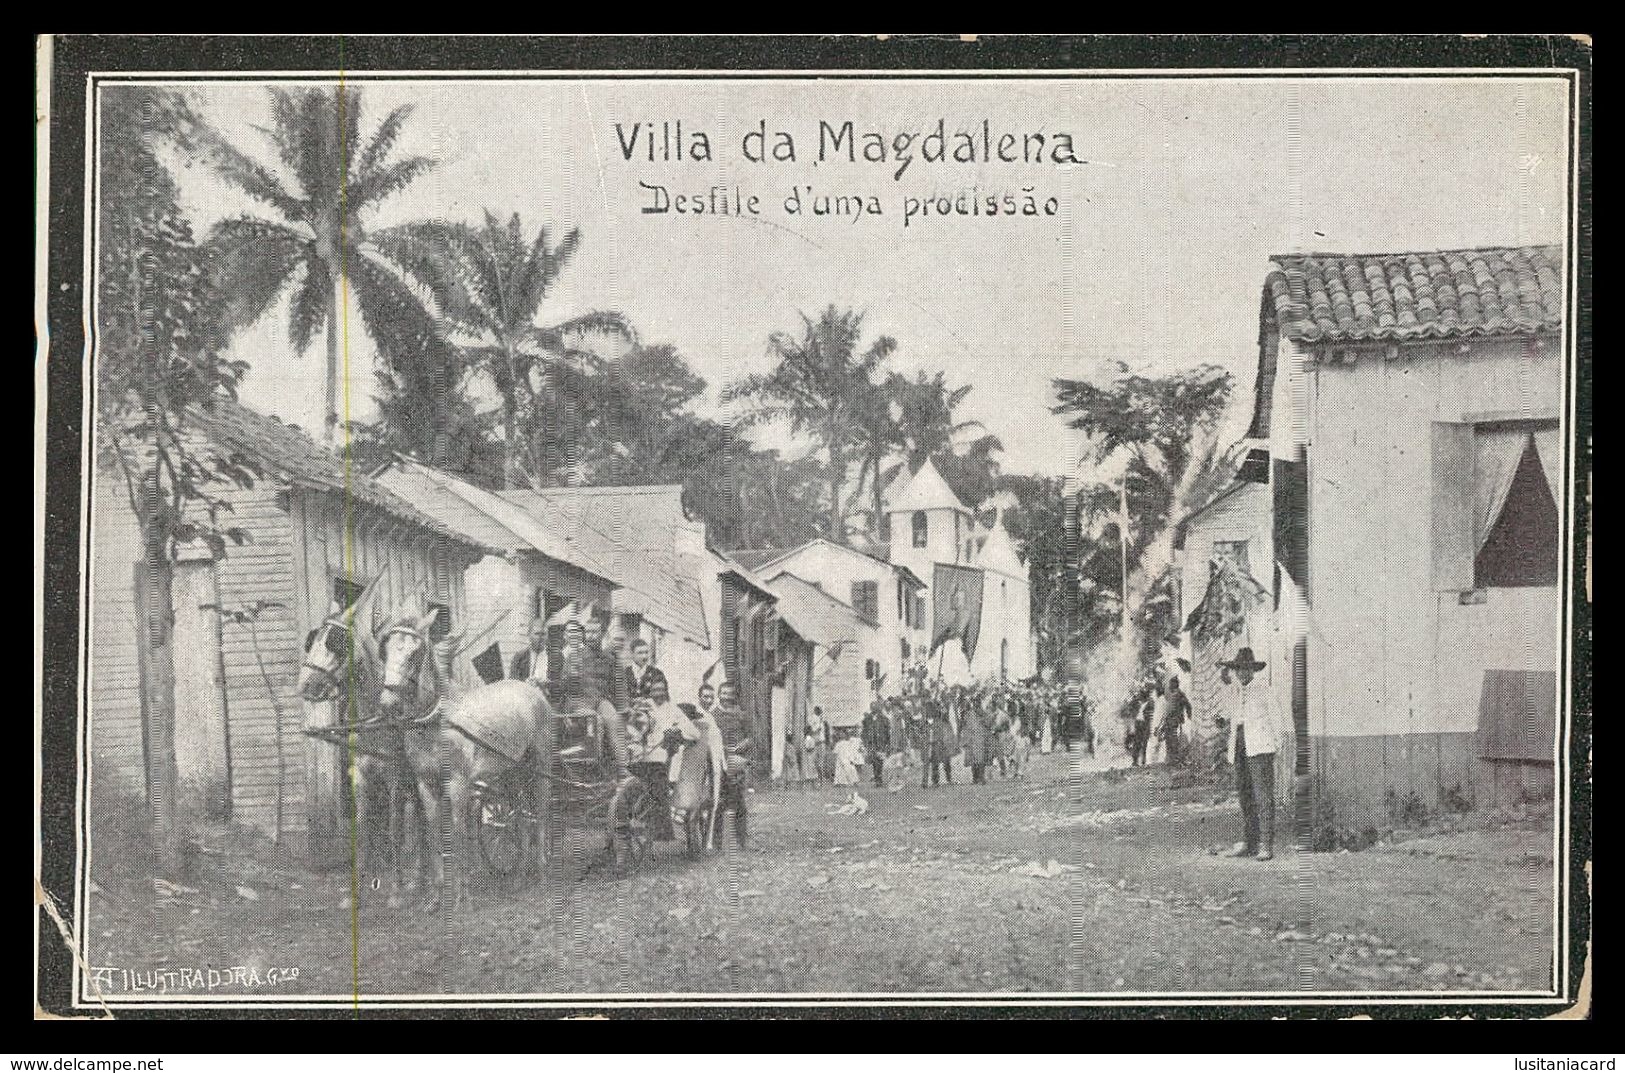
column 1291, row 525
column 346, row 591
column 922, row 529
column 1521, row 548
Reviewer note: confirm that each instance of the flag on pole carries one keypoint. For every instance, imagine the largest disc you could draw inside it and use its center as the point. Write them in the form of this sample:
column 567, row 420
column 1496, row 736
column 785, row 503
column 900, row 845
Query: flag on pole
column 956, row 594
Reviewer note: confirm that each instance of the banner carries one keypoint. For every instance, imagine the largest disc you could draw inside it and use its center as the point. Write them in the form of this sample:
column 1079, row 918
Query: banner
column 956, row 593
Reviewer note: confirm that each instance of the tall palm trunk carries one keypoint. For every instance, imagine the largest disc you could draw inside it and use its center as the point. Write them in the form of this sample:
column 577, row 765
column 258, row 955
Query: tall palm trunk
column 879, row 519
column 330, row 421
column 837, row 479
column 515, row 470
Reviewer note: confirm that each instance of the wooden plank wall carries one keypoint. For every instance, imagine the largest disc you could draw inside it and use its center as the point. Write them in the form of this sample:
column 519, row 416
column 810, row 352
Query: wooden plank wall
column 116, row 751
column 296, row 548
column 330, row 541
column 262, row 667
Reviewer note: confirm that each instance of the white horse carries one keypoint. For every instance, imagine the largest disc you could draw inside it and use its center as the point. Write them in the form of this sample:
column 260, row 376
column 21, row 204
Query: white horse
column 454, row 739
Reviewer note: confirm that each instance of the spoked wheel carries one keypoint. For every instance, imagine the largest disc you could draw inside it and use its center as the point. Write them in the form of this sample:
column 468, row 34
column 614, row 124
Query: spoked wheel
column 696, row 824
column 502, row 835
column 630, row 812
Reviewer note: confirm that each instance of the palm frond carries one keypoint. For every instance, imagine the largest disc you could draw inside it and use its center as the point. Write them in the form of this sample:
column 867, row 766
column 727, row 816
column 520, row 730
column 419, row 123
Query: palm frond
column 383, row 140
column 248, row 175
column 377, row 185
column 251, row 262
column 307, row 313
column 427, row 251
column 600, row 324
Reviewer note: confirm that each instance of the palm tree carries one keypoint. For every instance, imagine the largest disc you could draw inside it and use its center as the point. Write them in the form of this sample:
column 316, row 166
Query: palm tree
column 491, row 281
column 880, row 433
column 316, row 242
column 927, row 429
column 819, row 387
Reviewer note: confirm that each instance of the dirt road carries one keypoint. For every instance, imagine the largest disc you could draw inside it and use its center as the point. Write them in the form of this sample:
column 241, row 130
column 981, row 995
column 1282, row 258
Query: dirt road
column 926, row 891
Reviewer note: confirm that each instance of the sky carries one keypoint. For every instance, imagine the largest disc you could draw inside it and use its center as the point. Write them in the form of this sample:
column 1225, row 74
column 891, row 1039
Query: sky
column 1155, row 255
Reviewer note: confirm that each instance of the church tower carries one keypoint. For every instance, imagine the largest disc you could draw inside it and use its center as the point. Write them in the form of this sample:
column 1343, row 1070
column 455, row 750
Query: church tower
column 929, row 524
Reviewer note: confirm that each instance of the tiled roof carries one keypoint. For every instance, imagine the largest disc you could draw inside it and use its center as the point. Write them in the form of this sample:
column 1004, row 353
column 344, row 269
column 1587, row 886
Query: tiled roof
column 1328, row 298
column 301, row 461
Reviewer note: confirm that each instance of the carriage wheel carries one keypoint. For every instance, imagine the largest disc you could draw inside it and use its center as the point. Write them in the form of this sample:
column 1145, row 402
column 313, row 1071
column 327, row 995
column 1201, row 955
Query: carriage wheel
column 501, row 835
column 696, row 822
column 629, row 835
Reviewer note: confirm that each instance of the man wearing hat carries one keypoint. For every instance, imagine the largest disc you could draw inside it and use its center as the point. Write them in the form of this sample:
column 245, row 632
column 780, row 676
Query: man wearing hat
column 1253, row 750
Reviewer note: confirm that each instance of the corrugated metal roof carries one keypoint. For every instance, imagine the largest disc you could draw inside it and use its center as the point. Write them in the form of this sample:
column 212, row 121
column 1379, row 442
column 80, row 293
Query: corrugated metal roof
column 756, row 558
column 650, row 580
column 816, row 615
column 631, row 532
column 763, row 558
column 423, row 487
column 301, row 461
column 730, row 565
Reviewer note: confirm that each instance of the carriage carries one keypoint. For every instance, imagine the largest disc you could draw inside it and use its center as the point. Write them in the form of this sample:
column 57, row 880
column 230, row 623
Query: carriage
column 577, row 775
column 582, row 795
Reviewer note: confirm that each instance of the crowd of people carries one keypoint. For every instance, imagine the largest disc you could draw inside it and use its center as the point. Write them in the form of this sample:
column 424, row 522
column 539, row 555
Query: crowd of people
column 984, row 728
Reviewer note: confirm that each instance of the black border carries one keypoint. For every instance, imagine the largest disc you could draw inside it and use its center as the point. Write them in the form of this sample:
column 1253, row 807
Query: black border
column 75, row 57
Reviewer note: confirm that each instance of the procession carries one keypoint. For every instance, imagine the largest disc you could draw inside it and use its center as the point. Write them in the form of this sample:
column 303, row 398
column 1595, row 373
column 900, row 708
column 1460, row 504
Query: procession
column 496, row 591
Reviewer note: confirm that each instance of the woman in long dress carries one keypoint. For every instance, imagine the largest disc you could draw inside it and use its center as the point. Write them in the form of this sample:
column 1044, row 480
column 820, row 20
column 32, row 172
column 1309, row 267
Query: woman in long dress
column 812, row 748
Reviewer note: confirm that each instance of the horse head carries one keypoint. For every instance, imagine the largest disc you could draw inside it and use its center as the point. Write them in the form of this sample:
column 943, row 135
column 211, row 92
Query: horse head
column 411, row 676
column 327, row 662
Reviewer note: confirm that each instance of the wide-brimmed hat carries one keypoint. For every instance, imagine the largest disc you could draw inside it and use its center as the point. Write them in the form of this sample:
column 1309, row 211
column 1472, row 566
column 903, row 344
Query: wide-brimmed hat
column 1244, row 658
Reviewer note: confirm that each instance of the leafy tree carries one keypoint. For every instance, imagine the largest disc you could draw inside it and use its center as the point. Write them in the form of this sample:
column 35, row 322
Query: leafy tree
column 642, row 429
column 819, row 388
column 1038, row 524
column 316, row 243
column 879, row 436
column 903, row 423
column 491, row 281
column 158, row 364
column 1150, row 425
column 636, row 409
column 1161, row 433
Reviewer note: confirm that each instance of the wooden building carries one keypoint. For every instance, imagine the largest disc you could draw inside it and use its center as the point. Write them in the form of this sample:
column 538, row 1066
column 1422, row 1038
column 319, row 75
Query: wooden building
column 317, row 535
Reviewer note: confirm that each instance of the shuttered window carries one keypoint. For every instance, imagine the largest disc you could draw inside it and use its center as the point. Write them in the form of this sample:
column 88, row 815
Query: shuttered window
column 866, row 599
column 1452, row 497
